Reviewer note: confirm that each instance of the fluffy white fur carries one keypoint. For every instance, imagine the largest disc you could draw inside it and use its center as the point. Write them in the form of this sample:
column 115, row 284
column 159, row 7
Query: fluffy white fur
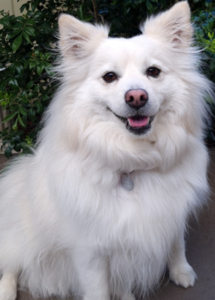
column 66, row 223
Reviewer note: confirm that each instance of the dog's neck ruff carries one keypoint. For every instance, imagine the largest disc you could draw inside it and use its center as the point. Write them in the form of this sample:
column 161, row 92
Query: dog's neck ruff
column 127, row 182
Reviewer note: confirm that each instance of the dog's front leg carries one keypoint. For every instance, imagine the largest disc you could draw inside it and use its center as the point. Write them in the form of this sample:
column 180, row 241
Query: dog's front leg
column 8, row 286
column 179, row 269
column 92, row 270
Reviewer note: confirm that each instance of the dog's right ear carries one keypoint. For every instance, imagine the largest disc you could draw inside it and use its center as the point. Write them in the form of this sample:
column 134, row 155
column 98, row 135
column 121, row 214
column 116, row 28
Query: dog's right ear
column 78, row 38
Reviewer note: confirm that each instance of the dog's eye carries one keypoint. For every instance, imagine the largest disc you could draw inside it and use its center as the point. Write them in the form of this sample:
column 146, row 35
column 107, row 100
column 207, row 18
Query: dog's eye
column 153, row 72
column 110, row 77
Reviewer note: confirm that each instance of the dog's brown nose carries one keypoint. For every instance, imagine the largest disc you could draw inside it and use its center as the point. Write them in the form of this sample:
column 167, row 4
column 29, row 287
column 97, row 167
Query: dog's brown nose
column 136, row 98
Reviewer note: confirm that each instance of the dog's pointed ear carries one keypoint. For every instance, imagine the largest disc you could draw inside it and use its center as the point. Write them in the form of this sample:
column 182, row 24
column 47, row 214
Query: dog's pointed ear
column 172, row 26
column 79, row 38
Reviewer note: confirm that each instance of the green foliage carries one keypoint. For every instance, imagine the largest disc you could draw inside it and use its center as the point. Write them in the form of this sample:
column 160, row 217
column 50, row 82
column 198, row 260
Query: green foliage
column 126, row 15
column 27, row 52
column 25, row 87
column 204, row 21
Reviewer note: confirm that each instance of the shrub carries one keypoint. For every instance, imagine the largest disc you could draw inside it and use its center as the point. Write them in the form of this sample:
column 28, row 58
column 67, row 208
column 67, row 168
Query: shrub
column 27, row 51
column 25, row 87
column 204, row 20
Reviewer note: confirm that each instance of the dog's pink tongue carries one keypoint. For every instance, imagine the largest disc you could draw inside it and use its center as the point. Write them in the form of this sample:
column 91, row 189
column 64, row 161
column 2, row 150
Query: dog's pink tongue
column 140, row 122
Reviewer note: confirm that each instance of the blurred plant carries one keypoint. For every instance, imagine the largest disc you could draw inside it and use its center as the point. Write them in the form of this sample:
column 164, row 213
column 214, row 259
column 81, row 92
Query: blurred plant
column 125, row 16
column 27, row 51
column 204, row 21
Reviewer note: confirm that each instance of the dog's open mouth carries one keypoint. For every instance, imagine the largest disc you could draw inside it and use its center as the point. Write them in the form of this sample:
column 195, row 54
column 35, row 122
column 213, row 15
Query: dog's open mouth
column 137, row 124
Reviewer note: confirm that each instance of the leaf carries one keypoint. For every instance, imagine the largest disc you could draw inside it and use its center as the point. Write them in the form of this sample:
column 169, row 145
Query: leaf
column 46, row 28
column 36, row 88
column 32, row 64
column 17, row 147
column 24, row 6
column 20, row 19
column 40, row 69
column 13, row 34
column 211, row 35
column 39, row 106
column 10, row 117
column 14, row 127
column 149, row 6
column 29, row 31
column 34, row 4
column 47, row 55
column 18, row 26
column 20, row 120
column 29, row 85
column 29, row 141
column 37, row 14
column 31, row 113
column 15, row 139
column 8, row 151
column 49, row 70
column 17, row 43
column 36, row 52
column 26, row 37
column 13, row 83
column 5, row 22
column 19, row 68
column 22, row 110
column 80, row 12
column 30, row 21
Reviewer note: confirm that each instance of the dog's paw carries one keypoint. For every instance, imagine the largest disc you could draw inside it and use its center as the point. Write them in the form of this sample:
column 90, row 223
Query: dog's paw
column 183, row 275
column 7, row 293
column 8, row 290
column 128, row 296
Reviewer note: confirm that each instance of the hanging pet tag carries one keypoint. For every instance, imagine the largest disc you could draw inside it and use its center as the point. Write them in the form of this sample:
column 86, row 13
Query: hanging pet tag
column 127, row 182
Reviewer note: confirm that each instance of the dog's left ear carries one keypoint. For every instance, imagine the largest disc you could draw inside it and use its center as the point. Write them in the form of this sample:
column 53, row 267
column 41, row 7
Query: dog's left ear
column 172, row 26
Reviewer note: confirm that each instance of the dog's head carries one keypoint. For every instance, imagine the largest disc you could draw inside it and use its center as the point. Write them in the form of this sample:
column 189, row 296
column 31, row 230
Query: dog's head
column 138, row 88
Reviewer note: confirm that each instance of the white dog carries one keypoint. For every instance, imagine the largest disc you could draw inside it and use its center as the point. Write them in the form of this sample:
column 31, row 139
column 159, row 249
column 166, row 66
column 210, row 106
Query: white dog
column 101, row 206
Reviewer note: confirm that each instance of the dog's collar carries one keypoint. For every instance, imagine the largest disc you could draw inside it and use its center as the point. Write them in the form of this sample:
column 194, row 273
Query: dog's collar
column 127, row 182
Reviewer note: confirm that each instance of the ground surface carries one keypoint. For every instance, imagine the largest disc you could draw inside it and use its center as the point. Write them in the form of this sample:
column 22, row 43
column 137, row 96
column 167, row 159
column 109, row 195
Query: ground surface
column 200, row 254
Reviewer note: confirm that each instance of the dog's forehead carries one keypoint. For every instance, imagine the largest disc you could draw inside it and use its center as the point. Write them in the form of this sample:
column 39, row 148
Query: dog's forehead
column 121, row 54
column 130, row 48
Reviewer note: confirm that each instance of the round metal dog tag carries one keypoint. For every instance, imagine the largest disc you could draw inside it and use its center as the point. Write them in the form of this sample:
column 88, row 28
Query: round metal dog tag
column 127, row 182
